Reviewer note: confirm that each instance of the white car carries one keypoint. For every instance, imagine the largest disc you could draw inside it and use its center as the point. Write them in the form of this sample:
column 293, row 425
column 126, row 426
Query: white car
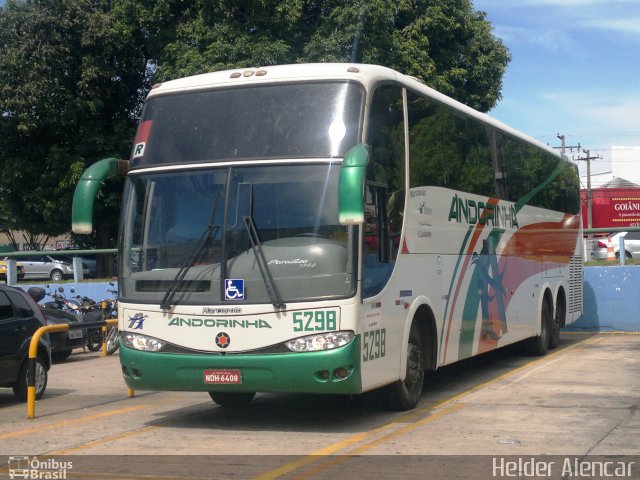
column 45, row 266
column 631, row 245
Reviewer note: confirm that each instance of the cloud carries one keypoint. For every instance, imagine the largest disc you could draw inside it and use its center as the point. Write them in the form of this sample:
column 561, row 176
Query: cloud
column 623, row 25
column 602, row 119
column 567, row 3
column 541, row 15
column 553, row 39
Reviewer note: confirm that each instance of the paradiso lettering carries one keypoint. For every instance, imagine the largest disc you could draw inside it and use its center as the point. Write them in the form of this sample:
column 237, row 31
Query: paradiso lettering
column 217, row 323
column 473, row 212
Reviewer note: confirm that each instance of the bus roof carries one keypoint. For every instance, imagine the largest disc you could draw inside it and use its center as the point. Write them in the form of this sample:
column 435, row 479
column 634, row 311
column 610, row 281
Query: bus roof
column 365, row 74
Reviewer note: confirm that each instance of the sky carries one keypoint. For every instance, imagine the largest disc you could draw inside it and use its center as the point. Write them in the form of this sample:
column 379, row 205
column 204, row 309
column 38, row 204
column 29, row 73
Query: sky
column 575, row 71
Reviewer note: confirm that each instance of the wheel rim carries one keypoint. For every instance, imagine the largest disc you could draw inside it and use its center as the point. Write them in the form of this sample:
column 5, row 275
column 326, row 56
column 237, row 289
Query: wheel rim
column 57, row 276
column 41, row 377
column 112, row 340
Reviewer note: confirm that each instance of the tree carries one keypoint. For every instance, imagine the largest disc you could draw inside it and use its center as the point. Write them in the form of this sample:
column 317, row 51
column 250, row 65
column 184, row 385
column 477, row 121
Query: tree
column 445, row 43
column 71, row 88
column 73, row 74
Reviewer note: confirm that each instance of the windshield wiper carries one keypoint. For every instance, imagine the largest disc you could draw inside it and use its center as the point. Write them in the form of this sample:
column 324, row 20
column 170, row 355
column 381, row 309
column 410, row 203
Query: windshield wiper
column 256, row 245
column 208, row 233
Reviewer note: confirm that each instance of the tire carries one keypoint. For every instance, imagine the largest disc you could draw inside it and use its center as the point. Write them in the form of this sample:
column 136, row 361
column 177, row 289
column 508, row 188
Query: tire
column 539, row 345
column 557, row 322
column 404, row 394
column 20, row 389
column 113, row 341
column 232, row 399
column 56, row 276
column 94, row 343
column 60, row 356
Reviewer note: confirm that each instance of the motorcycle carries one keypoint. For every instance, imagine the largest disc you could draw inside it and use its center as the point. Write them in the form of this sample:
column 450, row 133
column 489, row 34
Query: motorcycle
column 63, row 310
column 94, row 335
column 60, row 302
column 105, row 310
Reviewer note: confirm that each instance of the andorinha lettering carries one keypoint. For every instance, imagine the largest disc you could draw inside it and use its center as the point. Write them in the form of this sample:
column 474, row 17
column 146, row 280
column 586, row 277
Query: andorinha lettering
column 472, row 212
column 217, row 323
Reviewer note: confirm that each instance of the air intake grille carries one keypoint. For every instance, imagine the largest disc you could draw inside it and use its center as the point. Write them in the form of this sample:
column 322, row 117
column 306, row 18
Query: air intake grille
column 575, row 285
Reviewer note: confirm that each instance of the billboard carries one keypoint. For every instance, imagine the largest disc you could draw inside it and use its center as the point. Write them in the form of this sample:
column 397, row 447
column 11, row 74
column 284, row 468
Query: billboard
column 612, row 207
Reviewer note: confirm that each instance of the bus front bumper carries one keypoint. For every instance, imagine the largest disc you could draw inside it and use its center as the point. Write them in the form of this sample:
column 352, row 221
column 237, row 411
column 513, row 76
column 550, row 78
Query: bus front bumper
column 330, row 371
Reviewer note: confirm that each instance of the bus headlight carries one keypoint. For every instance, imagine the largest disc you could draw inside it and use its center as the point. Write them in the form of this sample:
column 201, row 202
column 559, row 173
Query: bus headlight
column 142, row 342
column 323, row 341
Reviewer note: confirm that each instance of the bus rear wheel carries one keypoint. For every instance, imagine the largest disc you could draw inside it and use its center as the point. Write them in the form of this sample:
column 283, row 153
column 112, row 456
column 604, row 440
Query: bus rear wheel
column 404, row 394
column 539, row 345
column 557, row 322
column 232, row 399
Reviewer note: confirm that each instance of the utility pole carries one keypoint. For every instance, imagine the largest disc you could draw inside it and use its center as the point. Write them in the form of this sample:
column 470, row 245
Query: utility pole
column 588, row 159
column 563, row 147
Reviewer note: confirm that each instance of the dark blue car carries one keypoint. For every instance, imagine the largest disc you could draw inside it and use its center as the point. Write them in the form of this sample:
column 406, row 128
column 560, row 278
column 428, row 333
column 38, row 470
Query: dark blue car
column 20, row 317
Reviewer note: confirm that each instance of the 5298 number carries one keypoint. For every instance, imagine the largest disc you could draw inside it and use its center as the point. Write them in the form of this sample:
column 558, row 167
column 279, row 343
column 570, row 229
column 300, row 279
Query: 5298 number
column 373, row 344
column 314, row 321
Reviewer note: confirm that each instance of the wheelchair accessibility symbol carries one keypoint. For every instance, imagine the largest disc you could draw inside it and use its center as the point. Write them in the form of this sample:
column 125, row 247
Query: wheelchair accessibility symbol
column 234, row 289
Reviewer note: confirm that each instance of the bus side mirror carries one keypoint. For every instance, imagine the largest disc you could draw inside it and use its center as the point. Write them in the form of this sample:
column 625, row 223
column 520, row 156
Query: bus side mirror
column 87, row 189
column 351, row 185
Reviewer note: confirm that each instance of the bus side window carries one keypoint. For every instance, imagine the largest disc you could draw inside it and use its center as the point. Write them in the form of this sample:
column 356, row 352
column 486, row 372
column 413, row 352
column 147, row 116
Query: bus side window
column 384, row 193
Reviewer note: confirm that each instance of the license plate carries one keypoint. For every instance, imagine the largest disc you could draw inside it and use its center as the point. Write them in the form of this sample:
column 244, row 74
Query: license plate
column 75, row 333
column 222, row 377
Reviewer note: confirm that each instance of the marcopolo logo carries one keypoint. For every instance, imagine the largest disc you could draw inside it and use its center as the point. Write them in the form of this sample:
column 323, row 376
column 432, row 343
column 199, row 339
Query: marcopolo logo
column 221, row 310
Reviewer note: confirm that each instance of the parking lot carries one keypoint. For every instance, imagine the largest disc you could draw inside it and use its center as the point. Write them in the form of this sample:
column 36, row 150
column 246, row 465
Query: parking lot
column 581, row 400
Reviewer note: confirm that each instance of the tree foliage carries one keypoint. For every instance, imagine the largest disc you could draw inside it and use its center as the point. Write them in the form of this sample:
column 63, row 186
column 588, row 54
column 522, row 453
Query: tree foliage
column 71, row 86
column 73, row 74
column 446, row 43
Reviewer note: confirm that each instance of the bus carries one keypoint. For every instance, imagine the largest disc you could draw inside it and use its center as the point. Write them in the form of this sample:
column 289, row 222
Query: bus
column 332, row 229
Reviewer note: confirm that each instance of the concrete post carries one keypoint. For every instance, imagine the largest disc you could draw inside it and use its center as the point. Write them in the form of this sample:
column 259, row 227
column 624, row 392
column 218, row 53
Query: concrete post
column 78, row 275
column 12, row 272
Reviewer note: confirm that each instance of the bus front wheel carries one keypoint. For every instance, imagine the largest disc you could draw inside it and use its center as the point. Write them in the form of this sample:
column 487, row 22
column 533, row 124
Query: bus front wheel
column 232, row 399
column 404, row 394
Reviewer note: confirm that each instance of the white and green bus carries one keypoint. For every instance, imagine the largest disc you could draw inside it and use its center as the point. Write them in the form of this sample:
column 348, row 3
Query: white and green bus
column 332, row 229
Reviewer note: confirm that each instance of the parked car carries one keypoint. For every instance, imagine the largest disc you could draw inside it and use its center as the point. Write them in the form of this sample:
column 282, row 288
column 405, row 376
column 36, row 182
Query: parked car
column 631, row 245
column 20, row 317
column 3, row 270
column 63, row 343
column 89, row 267
column 46, row 266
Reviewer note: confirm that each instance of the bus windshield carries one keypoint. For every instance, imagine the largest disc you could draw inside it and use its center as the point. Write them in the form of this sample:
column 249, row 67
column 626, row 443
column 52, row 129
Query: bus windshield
column 288, row 120
column 191, row 232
